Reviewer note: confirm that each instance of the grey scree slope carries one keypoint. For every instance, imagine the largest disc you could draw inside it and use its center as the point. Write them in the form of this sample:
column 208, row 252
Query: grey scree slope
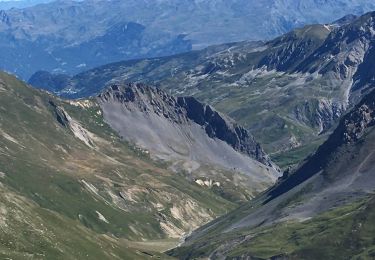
column 163, row 125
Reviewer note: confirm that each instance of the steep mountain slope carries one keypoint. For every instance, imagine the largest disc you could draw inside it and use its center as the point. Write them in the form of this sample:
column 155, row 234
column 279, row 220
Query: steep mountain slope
column 289, row 92
column 71, row 36
column 192, row 136
column 336, row 184
column 74, row 188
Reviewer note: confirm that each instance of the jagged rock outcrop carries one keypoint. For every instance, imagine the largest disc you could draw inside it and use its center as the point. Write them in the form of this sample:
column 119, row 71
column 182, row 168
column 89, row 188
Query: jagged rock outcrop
column 346, row 54
column 221, row 127
column 354, row 124
column 65, row 120
column 292, row 48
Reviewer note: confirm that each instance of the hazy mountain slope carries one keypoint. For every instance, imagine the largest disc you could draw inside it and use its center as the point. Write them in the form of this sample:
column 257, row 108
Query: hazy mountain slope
column 67, row 167
column 339, row 173
column 70, row 36
column 5, row 5
column 288, row 92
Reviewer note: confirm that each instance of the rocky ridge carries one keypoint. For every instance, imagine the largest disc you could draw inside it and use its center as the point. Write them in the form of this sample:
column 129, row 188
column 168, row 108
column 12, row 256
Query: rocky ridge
column 73, row 36
column 183, row 110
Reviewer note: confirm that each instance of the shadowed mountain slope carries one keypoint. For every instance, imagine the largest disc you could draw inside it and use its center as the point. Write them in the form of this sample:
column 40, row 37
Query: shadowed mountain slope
column 329, row 197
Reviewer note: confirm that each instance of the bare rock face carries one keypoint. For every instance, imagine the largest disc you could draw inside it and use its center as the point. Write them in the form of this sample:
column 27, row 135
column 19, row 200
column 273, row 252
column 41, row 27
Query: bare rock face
column 320, row 114
column 355, row 123
column 184, row 110
column 347, row 55
column 223, row 128
column 352, row 127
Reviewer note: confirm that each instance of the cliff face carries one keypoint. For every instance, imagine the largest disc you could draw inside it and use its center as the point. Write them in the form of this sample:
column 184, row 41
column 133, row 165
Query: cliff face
column 221, row 127
column 352, row 127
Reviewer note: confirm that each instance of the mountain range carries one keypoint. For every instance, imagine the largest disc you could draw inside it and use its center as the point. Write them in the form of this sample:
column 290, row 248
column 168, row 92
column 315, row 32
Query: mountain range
column 289, row 92
column 9, row 4
column 72, row 36
column 243, row 150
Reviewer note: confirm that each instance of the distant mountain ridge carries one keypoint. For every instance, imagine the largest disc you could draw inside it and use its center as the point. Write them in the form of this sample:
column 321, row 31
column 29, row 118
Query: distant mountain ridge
column 8, row 4
column 70, row 36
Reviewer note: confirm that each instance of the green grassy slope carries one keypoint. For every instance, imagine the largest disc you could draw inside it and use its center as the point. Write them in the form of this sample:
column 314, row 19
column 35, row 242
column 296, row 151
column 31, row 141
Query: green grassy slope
column 90, row 197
